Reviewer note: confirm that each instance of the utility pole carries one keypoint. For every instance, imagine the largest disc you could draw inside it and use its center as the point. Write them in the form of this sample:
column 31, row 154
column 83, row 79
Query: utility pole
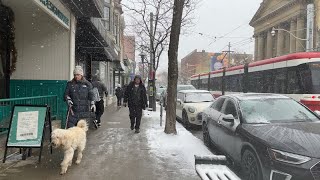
column 151, row 81
column 224, row 68
column 229, row 52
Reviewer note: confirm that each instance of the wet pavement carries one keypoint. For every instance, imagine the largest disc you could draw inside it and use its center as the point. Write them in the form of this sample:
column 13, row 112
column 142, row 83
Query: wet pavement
column 113, row 152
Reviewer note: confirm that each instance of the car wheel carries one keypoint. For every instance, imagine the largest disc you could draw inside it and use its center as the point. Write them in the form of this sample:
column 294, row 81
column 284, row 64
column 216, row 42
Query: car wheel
column 207, row 140
column 250, row 166
column 206, row 136
column 185, row 120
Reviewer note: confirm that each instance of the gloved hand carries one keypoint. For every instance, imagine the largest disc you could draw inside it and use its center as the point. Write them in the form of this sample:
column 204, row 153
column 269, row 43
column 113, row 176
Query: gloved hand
column 69, row 101
column 93, row 107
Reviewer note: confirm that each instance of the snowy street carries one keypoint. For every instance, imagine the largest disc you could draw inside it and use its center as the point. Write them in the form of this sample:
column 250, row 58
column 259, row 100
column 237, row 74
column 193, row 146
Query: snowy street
column 115, row 152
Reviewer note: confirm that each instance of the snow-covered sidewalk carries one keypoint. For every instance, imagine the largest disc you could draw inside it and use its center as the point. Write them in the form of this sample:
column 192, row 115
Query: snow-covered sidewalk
column 178, row 149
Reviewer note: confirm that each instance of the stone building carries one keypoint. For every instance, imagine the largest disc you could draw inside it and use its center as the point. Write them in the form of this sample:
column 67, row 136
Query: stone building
column 289, row 21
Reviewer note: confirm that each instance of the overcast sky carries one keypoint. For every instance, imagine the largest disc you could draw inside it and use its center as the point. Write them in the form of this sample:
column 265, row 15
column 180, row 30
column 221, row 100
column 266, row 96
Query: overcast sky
column 218, row 18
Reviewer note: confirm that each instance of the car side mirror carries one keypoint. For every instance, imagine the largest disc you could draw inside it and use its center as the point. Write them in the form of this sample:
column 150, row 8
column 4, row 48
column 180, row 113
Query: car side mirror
column 228, row 118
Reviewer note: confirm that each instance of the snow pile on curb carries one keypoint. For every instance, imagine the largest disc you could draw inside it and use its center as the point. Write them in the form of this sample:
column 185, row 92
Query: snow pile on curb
column 181, row 148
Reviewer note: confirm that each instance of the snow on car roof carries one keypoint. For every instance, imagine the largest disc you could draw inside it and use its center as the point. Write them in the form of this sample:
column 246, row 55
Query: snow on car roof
column 194, row 91
column 252, row 96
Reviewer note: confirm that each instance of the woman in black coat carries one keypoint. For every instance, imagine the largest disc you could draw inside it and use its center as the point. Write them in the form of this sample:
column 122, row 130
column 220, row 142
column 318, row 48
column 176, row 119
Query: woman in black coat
column 79, row 97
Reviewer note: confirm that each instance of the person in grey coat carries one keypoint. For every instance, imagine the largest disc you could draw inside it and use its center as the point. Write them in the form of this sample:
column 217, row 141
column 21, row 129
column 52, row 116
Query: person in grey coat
column 79, row 97
column 102, row 89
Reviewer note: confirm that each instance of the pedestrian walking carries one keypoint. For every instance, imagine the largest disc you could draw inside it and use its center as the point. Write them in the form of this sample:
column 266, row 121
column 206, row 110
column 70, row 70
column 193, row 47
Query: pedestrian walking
column 136, row 98
column 119, row 94
column 102, row 90
column 79, row 97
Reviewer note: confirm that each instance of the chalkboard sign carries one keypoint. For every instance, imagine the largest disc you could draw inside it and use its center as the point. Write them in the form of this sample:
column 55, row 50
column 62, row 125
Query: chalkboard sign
column 27, row 127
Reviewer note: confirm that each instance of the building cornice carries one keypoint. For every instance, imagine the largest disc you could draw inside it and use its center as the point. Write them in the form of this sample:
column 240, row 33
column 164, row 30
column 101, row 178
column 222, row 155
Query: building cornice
column 274, row 13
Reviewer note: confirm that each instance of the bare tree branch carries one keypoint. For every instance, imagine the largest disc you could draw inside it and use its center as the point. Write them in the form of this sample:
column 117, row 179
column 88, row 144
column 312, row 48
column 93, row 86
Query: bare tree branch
column 139, row 12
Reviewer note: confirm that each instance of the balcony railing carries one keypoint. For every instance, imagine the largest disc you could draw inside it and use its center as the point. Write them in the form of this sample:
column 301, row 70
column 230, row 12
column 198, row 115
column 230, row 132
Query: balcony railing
column 97, row 22
column 6, row 106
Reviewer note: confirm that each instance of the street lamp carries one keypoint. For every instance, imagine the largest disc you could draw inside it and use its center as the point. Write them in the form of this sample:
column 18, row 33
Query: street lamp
column 142, row 55
column 273, row 33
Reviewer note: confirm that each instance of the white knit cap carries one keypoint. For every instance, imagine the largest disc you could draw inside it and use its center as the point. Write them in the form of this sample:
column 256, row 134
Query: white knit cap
column 78, row 70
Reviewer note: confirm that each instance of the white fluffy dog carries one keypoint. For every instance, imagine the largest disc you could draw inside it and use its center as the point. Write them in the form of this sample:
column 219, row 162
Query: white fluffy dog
column 70, row 140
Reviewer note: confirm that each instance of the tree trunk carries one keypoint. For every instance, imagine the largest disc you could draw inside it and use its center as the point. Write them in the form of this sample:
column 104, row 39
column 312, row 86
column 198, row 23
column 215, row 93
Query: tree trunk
column 170, row 127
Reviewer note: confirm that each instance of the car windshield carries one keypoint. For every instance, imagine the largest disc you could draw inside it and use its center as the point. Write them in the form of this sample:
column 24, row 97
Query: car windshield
column 160, row 90
column 198, row 97
column 185, row 87
column 274, row 111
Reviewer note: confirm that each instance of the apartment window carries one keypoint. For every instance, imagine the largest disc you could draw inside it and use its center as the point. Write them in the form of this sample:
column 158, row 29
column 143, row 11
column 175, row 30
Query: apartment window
column 106, row 17
column 116, row 28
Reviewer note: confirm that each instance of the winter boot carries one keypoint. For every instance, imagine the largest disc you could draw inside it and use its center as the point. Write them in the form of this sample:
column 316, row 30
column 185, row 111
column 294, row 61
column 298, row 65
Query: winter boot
column 95, row 122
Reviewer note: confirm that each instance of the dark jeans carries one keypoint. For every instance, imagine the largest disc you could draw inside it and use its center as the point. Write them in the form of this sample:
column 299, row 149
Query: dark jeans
column 99, row 110
column 119, row 98
column 74, row 117
column 135, row 116
column 72, row 121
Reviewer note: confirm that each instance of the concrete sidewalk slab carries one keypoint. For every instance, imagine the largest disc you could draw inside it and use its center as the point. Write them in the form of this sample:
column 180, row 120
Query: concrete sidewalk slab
column 113, row 152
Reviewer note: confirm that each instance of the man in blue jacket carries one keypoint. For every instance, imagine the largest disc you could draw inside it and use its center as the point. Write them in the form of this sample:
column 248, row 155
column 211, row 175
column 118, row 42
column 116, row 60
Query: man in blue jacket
column 79, row 97
column 136, row 97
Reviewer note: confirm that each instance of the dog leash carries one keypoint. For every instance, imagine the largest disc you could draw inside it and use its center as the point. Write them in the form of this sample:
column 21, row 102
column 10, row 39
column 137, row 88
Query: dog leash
column 69, row 110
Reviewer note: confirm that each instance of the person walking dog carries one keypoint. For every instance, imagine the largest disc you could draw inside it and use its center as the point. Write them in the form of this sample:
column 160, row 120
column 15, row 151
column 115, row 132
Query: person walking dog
column 79, row 97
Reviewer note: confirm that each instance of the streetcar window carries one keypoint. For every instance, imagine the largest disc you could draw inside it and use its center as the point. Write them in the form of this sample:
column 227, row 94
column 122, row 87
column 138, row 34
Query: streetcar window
column 280, row 81
column 267, row 81
column 252, row 82
column 217, row 83
column 315, row 75
column 305, row 78
column 293, row 83
column 259, row 82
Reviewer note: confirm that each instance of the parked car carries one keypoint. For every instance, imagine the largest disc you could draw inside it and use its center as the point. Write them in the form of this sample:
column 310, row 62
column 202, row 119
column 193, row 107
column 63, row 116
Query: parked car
column 159, row 91
column 179, row 88
column 190, row 103
column 270, row 136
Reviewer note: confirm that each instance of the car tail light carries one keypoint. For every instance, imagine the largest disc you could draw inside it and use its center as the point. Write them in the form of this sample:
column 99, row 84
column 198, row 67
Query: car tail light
column 313, row 97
